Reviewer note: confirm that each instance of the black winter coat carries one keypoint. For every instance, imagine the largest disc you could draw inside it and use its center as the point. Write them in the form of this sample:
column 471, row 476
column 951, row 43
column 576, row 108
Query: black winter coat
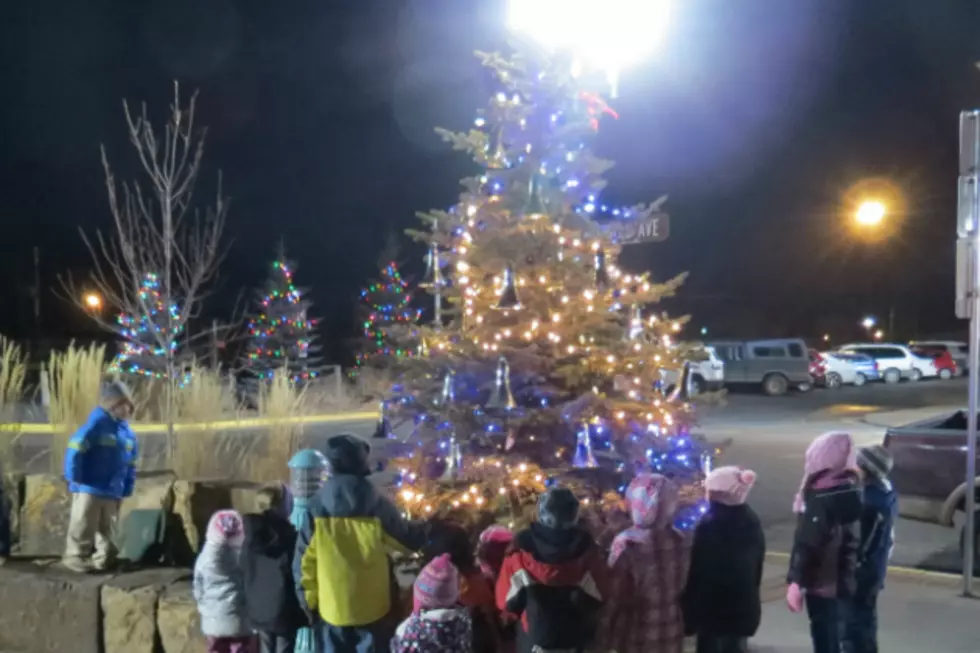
column 722, row 593
column 825, row 546
column 267, row 560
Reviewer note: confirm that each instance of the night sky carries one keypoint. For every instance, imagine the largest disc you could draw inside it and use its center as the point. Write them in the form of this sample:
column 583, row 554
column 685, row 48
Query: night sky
column 755, row 120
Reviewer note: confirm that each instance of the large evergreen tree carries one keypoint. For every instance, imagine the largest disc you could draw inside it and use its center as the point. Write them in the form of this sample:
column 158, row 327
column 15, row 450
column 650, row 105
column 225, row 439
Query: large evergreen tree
column 551, row 369
column 144, row 337
column 281, row 332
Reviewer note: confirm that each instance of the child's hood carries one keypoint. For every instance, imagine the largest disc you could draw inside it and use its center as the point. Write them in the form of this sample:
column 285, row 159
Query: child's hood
column 268, row 534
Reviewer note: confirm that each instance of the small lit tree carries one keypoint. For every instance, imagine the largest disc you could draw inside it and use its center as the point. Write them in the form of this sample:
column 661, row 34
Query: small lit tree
column 387, row 308
column 143, row 352
column 281, row 334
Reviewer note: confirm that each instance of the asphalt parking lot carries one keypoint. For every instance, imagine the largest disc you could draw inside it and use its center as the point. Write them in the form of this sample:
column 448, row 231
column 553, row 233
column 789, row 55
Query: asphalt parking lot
column 770, row 435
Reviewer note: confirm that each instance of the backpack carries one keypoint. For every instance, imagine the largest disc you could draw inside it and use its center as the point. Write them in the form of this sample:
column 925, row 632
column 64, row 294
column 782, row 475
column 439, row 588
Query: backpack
column 560, row 617
column 268, row 574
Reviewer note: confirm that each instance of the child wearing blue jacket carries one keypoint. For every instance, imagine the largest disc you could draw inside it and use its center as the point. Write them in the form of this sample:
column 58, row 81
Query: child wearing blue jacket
column 878, row 515
column 100, row 468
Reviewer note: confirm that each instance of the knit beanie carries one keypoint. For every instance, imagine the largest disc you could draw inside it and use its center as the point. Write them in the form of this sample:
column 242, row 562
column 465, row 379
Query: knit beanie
column 348, row 454
column 832, row 452
column 225, row 528
column 652, row 500
column 437, row 585
column 558, row 508
column 492, row 549
column 116, row 392
column 729, row 485
column 876, row 461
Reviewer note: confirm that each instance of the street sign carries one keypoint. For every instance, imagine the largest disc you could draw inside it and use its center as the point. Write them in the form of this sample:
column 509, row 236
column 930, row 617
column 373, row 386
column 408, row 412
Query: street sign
column 654, row 228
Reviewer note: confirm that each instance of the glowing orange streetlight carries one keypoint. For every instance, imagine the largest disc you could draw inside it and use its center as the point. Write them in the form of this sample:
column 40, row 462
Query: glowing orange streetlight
column 92, row 301
column 870, row 213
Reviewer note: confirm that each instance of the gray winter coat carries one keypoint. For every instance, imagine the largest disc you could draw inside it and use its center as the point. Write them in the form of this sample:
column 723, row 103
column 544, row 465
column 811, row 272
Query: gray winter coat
column 219, row 589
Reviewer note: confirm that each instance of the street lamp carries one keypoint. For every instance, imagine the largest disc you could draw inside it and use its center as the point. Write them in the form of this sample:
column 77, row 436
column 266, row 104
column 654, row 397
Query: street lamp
column 92, row 301
column 879, row 334
column 870, row 213
column 869, row 323
column 608, row 36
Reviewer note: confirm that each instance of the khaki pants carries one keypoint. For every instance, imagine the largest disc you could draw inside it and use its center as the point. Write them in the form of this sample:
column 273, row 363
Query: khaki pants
column 91, row 527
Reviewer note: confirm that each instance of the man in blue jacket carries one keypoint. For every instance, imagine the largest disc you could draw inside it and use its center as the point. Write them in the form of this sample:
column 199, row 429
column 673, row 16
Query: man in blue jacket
column 877, row 539
column 100, row 468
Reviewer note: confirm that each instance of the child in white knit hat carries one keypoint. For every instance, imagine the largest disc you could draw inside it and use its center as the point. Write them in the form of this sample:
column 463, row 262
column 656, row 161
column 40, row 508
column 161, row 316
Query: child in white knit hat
column 722, row 604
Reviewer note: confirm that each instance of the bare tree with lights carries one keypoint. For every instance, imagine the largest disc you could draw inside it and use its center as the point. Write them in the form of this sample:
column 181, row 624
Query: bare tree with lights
column 159, row 235
column 552, row 367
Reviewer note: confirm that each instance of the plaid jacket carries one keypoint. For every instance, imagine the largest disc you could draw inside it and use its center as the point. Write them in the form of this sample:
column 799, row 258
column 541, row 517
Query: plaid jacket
column 643, row 612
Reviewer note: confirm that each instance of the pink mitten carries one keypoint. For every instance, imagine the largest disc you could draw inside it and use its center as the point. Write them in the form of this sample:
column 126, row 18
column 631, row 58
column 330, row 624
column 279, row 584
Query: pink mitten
column 794, row 598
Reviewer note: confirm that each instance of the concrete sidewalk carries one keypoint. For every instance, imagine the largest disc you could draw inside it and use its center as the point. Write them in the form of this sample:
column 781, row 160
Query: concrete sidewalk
column 919, row 612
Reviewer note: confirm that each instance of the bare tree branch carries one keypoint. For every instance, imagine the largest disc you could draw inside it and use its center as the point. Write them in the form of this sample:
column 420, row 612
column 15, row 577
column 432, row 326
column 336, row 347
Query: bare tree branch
column 157, row 231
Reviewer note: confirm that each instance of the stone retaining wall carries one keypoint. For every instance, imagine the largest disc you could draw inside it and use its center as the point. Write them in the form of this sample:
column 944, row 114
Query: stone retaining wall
column 42, row 505
column 45, row 609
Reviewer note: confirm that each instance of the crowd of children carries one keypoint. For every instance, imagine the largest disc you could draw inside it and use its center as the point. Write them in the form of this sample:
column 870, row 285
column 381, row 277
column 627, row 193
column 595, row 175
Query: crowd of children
column 549, row 588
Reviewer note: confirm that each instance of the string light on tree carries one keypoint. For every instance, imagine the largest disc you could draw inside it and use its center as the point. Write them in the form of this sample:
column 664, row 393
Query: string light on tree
column 143, row 350
column 536, row 381
column 387, row 306
column 281, row 333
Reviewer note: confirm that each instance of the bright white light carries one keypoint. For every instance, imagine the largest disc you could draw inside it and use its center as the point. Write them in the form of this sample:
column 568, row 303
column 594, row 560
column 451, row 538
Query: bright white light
column 868, row 322
column 608, row 35
column 870, row 213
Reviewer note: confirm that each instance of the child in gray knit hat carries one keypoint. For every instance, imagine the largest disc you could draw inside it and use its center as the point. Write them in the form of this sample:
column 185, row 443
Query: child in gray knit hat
column 878, row 518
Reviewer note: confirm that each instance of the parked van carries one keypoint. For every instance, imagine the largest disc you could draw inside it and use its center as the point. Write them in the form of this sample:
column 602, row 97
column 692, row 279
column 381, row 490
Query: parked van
column 777, row 365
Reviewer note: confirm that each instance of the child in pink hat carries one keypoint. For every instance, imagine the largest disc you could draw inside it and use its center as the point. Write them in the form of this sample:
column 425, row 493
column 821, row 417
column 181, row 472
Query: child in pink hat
column 219, row 586
column 825, row 546
column 722, row 603
column 438, row 623
column 648, row 566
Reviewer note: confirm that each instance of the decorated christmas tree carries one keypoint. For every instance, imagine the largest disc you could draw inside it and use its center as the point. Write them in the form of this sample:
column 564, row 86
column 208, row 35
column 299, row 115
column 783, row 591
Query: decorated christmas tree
column 551, row 368
column 281, row 333
column 386, row 309
column 146, row 337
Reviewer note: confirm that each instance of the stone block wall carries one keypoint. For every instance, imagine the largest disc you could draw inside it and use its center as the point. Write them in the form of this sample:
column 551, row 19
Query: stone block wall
column 41, row 513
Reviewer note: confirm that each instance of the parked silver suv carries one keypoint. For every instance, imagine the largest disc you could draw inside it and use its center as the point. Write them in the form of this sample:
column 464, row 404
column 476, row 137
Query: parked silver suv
column 777, row 365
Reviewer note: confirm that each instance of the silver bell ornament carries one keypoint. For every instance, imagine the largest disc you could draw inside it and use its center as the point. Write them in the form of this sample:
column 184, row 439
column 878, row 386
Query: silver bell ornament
column 601, row 271
column 433, row 270
column 454, row 459
column 498, row 157
column 383, row 429
column 634, row 329
column 534, row 209
column 584, row 458
column 508, row 300
column 501, row 397
column 422, row 351
column 448, row 395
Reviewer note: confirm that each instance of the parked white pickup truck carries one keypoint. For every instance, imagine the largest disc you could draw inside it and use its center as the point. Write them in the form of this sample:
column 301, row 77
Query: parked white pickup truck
column 708, row 374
